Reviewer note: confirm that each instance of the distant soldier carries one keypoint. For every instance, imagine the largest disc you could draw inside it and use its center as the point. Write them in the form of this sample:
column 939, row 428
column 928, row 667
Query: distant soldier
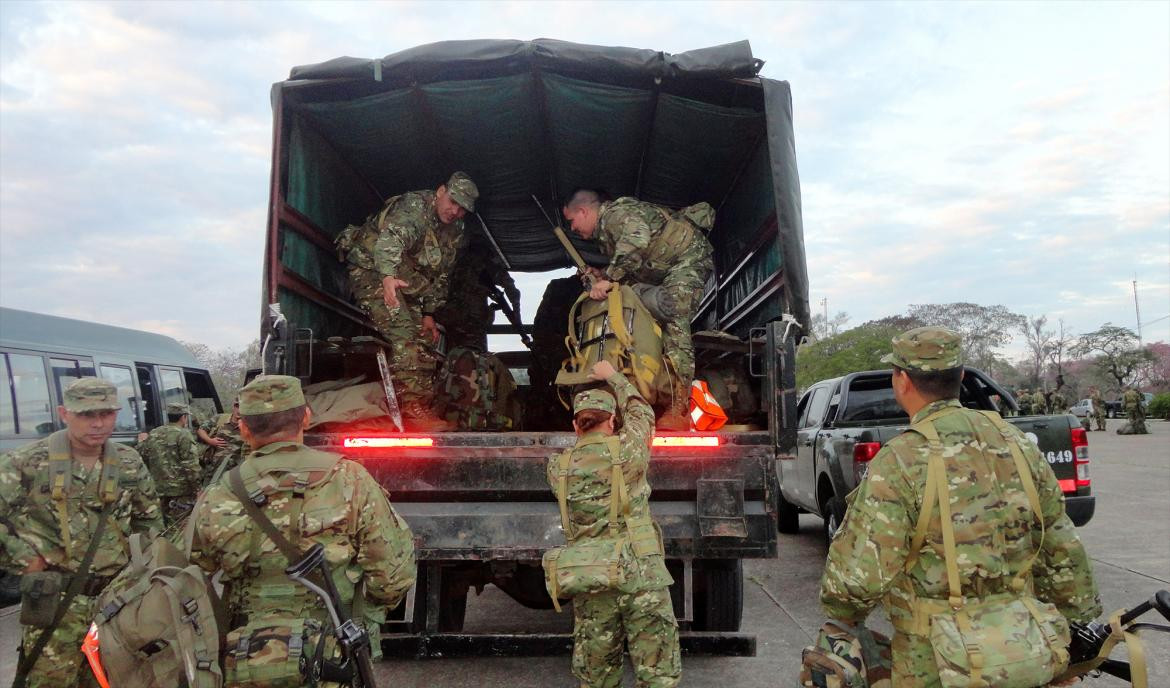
column 1024, row 401
column 1098, row 407
column 1135, row 412
column 400, row 261
column 468, row 311
column 666, row 258
column 636, row 613
column 54, row 496
column 994, row 486
column 218, row 460
column 1059, row 403
column 1039, row 402
column 311, row 497
column 172, row 455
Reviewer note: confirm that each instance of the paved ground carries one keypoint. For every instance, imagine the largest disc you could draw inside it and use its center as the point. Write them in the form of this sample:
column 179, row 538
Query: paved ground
column 1128, row 538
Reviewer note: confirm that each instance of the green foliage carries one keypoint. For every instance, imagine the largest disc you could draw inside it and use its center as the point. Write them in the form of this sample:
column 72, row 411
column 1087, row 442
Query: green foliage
column 984, row 328
column 1160, row 406
column 851, row 351
column 1115, row 352
column 227, row 366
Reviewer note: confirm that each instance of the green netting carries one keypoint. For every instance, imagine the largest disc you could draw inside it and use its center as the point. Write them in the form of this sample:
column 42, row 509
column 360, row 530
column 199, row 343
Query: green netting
column 319, row 185
column 597, row 133
column 314, row 265
column 762, row 266
column 696, row 150
column 748, row 208
column 324, row 322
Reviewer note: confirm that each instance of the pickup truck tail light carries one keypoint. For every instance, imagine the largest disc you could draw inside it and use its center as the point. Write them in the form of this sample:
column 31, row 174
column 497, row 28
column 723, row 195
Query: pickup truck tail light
column 1080, row 443
column 386, row 442
column 865, row 451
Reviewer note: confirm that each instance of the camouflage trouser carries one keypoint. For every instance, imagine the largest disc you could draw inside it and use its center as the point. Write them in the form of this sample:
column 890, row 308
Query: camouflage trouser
column 644, row 621
column 61, row 664
column 1137, row 422
column 673, row 304
column 1099, row 416
column 913, row 662
column 412, row 365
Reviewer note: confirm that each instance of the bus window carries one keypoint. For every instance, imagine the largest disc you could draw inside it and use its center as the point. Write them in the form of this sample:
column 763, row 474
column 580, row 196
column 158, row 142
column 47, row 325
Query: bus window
column 146, row 384
column 173, row 391
column 203, row 394
column 120, row 377
column 7, row 410
column 66, row 370
column 30, row 386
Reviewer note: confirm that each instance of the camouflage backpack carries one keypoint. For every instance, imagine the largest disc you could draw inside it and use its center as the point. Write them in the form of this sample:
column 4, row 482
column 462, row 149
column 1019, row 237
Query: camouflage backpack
column 1006, row 640
column 846, row 657
column 478, row 391
column 160, row 622
column 622, row 331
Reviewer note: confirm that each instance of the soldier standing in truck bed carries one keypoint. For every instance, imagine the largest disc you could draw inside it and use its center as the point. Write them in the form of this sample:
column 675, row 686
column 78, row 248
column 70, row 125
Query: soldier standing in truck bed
column 665, row 251
column 468, row 311
column 400, row 262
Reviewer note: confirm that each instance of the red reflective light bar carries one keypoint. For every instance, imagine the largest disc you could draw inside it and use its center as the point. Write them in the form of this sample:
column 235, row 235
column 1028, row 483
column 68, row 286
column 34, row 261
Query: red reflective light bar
column 687, row 441
column 1068, row 485
column 383, row 442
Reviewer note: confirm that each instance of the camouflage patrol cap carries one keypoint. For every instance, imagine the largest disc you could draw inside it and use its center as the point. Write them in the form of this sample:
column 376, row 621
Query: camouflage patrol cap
column 90, row 394
column 270, row 394
column 463, row 191
column 177, row 409
column 926, row 349
column 590, row 399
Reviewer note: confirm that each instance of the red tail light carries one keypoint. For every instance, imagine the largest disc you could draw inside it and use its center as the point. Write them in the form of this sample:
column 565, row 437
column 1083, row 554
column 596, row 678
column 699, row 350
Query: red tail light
column 386, row 442
column 1080, row 443
column 687, row 441
column 865, row 451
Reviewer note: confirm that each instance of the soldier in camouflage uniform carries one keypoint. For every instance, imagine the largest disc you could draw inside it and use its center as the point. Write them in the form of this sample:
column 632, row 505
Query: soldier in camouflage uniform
column 994, row 527
column 43, row 529
column 1133, row 403
column 227, row 429
column 468, row 312
column 1098, row 407
column 312, row 497
column 638, row 612
column 649, row 247
column 172, row 456
column 1039, row 403
column 1024, row 401
column 400, row 262
column 1059, row 403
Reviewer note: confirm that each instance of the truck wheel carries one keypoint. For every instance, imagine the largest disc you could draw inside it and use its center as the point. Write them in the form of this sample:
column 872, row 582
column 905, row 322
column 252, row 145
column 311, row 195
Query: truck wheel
column 787, row 515
column 834, row 514
column 718, row 588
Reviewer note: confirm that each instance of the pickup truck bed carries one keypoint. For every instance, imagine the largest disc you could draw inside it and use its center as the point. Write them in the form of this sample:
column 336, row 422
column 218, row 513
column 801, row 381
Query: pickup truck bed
column 844, row 421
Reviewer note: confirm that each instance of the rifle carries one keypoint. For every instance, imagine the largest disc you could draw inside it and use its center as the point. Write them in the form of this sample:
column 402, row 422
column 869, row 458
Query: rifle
column 354, row 640
column 569, row 247
column 510, row 313
column 1092, row 642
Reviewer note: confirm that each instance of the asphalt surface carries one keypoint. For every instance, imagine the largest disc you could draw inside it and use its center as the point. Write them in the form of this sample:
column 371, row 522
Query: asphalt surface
column 1128, row 540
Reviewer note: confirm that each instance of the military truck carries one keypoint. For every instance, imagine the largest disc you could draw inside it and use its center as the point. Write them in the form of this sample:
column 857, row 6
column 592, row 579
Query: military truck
column 541, row 118
column 843, row 422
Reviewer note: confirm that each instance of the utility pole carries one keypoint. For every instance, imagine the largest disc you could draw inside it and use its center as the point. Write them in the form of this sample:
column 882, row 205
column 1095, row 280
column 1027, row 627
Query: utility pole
column 1137, row 312
column 825, row 308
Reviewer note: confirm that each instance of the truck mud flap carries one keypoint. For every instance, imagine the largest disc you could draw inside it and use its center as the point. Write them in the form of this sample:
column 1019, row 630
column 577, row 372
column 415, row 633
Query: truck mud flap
column 720, row 508
column 454, row 645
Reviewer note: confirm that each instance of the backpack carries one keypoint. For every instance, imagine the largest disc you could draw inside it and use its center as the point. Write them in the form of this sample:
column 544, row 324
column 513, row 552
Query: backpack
column 479, row 391
column 846, row 657
column 160, row 622
column 622, row 331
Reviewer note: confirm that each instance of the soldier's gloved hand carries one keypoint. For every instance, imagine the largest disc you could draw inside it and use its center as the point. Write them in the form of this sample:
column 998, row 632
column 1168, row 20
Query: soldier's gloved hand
column 600, row 290
column 602, row 371
column 430, row 329
column 390, row 287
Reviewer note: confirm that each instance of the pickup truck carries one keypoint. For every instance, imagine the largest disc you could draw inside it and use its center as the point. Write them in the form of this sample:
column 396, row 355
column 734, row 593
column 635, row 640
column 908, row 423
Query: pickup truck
column 543, row 118
column 843, row 422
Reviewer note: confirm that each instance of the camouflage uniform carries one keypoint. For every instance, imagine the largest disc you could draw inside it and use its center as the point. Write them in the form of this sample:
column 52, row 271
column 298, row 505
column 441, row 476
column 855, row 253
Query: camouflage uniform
column 994, row 526
column 227, row 429
column 1098, row 408
column 1039, row 403
column 1135, row 412
column 30, row 527
column 1024, row 401
column 406, row 240
column 1059, row 403
column 312, row 497
column 467, row 313
column 172, row 456
column 643, row 247
column 638, row 612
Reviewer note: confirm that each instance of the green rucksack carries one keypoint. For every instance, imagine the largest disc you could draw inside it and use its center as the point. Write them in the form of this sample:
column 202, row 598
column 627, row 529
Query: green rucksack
column 160, row 622
column 478, row 391
column 846, row 657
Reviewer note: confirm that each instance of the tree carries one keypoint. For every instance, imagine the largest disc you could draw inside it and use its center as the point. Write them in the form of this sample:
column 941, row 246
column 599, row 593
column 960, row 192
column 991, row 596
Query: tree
column 1115, row 352
column 823, row 329
column 860, row 348
column 227, row 366
column 1039, row 342
column 984, row 328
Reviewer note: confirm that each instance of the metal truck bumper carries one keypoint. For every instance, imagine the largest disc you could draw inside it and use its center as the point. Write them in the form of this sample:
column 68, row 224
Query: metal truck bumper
column 448, row 645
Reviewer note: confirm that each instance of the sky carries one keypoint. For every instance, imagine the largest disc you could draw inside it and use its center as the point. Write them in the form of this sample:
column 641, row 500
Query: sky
column 1000, row 153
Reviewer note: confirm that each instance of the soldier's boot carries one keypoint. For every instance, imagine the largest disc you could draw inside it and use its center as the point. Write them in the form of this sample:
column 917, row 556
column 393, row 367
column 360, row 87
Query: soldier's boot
column 677, row 416
column 417, row 417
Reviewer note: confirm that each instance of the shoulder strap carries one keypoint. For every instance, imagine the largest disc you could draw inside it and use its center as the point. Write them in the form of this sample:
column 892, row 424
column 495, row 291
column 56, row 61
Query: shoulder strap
column 236, row 483
column 60, row 477
column 943, row 492
column 929, row 498
column 564, row 461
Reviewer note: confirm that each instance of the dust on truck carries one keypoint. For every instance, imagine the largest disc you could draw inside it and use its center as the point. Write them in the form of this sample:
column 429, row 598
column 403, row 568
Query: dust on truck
column 543, row 118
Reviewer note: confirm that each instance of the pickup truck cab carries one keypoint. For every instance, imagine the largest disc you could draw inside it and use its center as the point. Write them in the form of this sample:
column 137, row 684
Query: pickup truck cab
column 843, row 422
